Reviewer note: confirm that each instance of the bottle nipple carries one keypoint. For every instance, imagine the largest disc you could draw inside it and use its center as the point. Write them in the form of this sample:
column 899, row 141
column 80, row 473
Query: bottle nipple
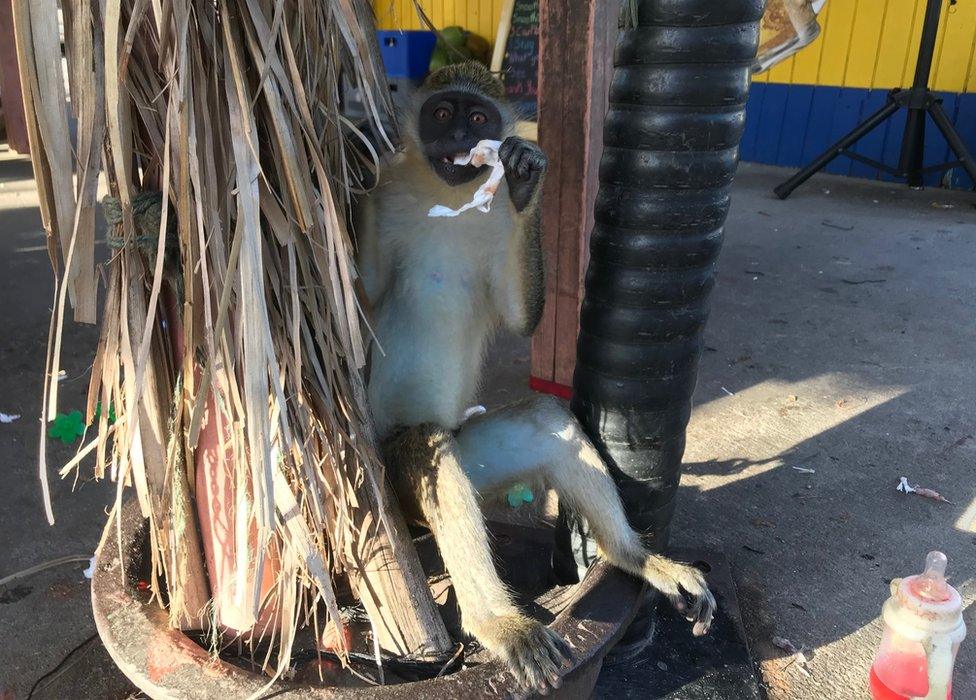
column 931, row 585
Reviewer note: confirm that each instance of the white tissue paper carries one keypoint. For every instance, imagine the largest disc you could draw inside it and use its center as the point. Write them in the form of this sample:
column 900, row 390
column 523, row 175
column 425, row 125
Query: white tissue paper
column 484, row 153
column 472, row 412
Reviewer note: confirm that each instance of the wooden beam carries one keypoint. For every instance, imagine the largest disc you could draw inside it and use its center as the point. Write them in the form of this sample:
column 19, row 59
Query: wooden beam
column 15, row 123
column 576, row 38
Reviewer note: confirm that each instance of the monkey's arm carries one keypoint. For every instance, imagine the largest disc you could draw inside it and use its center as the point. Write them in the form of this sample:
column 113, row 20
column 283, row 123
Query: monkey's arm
column 518, row 279
column 374, row 267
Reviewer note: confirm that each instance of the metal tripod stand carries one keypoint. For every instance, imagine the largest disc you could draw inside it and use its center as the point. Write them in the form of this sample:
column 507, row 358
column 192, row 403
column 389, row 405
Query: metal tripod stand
column 919, row 101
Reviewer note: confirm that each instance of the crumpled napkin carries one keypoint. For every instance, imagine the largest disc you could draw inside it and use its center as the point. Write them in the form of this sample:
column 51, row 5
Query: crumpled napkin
column 484, row 153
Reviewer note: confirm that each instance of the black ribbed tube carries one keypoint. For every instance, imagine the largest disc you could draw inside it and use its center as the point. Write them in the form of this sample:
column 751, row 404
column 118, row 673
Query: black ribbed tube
column 671, row 138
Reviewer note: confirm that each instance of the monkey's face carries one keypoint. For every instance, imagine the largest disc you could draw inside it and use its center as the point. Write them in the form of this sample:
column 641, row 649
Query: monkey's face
column 451, row 123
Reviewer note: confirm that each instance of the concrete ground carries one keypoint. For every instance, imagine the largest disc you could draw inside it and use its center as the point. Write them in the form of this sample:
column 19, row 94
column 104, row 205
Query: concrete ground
column 842, row 340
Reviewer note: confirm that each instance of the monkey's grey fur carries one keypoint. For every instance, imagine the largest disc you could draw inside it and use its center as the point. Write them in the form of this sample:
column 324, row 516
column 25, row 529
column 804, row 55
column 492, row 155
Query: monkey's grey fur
column 439, row 288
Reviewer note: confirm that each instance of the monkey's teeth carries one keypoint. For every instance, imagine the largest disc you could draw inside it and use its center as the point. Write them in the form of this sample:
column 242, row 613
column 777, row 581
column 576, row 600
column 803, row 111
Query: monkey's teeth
column 447, row 160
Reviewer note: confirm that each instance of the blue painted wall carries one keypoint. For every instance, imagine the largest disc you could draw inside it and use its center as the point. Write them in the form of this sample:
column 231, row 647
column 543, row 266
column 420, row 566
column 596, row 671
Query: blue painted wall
column 790, row 125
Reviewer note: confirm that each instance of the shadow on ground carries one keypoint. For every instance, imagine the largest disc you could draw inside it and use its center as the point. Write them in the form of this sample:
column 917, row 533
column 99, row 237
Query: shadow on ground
column 842, row 327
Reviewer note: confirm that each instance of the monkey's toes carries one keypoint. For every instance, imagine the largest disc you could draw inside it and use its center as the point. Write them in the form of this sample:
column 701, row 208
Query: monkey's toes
column 532, row 651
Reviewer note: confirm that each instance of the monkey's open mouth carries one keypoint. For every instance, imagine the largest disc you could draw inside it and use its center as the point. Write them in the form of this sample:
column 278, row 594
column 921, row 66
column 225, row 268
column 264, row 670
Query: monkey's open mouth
column 451, row 158
column 452, row 173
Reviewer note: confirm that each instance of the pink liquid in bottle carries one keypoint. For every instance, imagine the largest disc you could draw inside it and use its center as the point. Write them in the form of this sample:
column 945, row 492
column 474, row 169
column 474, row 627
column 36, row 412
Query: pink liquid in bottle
column 922, row 633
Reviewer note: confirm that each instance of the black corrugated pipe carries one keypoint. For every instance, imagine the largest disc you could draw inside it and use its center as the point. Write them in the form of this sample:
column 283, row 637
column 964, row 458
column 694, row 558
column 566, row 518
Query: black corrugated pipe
column 671, row 137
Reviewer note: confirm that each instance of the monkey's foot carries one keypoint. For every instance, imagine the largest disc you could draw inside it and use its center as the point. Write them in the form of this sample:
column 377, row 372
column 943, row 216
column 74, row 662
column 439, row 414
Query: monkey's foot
column 532, row 651
column 685, row 587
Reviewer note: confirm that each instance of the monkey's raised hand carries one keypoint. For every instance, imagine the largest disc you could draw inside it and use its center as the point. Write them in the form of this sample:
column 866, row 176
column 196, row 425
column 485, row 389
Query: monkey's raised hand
column 525, row 164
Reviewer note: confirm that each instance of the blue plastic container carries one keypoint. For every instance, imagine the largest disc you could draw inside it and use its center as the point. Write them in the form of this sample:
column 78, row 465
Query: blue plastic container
column 406, row 54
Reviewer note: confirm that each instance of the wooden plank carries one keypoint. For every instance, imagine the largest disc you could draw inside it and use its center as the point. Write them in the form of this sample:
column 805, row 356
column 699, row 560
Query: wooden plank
column 572, row 177
column 576, row 38
column 501, row 35
column 551, row 30
column 15, row 122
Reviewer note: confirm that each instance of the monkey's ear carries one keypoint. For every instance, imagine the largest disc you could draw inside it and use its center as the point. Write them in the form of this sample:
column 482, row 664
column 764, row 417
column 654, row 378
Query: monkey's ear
column 470, row 75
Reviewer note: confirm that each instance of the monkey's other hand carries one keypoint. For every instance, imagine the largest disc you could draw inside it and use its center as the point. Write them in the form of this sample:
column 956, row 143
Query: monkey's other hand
column 532, row 651
column 685, row 588
column 525, row 163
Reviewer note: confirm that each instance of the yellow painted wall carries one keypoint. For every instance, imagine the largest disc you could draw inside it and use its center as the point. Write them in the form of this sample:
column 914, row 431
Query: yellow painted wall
column 863, row 43
column 874, row 44
column 478, row 16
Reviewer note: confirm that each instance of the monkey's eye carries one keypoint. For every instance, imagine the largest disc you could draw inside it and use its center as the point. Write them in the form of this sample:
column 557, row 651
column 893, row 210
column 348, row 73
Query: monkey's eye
column 442, row 114
column 478, row 118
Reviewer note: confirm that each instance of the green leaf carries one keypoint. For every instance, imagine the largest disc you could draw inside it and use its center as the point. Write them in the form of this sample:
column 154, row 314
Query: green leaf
column 67, row 427
column 98, row 413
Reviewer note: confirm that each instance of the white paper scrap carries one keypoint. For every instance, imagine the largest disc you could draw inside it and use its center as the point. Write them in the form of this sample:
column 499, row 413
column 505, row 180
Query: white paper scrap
column 904, row 486
column 472, row 412
column 484, row 153
column 8, row 417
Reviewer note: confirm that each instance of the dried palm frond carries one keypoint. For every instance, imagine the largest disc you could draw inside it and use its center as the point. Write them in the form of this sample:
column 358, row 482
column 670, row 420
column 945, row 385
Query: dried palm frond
column 230, row 108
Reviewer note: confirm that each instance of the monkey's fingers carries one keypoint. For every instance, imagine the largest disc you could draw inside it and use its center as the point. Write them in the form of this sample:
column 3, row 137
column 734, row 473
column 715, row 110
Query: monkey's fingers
column 524, row 166
column 524, row 163
column 703, row 605
column 505, row 150
column 513, row 159
column 510, row 149
column 679, row 582
column 703, row 613
column 531, row 161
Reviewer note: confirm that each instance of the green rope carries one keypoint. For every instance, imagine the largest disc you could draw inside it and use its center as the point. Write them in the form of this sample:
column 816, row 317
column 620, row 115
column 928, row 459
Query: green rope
column 147, row 213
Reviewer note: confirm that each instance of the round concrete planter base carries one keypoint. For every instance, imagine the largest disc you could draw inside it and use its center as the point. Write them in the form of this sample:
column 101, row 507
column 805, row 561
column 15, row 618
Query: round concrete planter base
column 165, row 663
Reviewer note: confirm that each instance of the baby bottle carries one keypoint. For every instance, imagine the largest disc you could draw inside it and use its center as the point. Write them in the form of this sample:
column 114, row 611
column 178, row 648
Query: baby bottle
column 923, row 629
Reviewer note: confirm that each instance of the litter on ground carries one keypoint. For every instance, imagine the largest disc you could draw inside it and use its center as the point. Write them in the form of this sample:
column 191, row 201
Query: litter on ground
column 905, row 487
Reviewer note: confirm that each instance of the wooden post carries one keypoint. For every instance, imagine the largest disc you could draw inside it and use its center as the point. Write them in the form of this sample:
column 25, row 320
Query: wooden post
column 15, row 123
column 576, row 38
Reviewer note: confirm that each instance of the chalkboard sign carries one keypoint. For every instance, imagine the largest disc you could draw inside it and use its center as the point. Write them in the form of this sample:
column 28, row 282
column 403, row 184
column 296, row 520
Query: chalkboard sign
column 520, row 67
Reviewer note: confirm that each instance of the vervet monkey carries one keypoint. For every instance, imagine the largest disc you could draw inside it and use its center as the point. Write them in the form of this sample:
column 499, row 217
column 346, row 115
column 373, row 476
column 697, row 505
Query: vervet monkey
column 438, row 289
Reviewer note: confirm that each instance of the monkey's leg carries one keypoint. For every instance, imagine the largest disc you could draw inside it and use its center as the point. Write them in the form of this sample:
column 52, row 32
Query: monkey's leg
column 540, row 440
column 427, row 470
